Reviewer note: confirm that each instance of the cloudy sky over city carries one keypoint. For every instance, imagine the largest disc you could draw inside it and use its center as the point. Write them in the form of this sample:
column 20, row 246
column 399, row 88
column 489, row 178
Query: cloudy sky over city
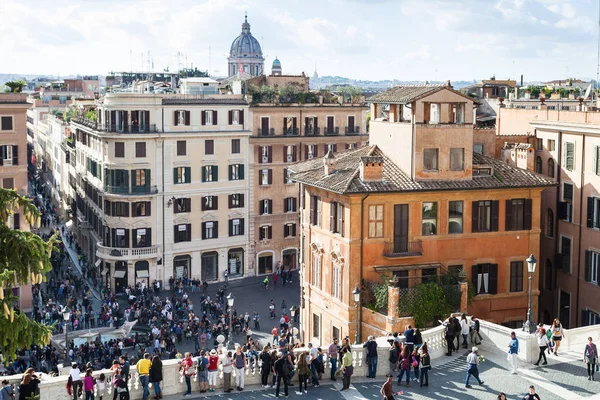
column 362, row 39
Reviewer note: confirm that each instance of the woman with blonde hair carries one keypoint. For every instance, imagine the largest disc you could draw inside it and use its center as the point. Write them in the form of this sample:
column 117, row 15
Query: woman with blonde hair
column 28, row 386
column 303, row 372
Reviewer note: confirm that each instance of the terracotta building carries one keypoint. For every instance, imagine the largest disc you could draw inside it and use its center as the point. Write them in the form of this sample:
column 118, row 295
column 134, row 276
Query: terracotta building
column 567, row 150
column 415, row 211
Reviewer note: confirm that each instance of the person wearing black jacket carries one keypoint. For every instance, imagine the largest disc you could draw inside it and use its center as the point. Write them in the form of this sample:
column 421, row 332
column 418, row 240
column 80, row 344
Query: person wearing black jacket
column 282, row 369
column 156, row 376
column 371, row 346
column 266, row 366
column 450, row 334
column 394, row 356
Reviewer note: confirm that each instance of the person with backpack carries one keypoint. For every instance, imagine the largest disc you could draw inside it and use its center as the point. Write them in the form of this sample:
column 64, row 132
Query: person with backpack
column 394, row 355
column 590, row 357
column 202, row 372
column 425, row 366
column 7, row 391
column 282, row 369
column 405, row 365
column 239, row 361
column 120, row 387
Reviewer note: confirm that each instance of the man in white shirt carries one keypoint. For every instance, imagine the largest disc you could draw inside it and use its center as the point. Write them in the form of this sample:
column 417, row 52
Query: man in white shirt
column 313, row 352
column 77, row 385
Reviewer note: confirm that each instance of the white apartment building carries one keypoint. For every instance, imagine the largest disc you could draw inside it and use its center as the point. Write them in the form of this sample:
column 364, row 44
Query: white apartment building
column 163, row 187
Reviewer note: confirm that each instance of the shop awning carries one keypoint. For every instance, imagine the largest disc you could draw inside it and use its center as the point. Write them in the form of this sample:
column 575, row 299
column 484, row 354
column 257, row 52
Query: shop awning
column 120, row 274
column 410, row 267
column 98, row 262
column 142, row 273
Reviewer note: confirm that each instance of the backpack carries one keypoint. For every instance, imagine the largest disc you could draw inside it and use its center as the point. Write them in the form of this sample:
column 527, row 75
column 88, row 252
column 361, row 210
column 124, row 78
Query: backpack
column 121, row 383
column 285, row 368
column 406, row 363
column 201, row 366
column 394, row 355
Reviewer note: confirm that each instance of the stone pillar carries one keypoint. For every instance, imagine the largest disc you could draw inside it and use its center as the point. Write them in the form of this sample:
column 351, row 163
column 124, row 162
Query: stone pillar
column 393, row 299
column 464, row 297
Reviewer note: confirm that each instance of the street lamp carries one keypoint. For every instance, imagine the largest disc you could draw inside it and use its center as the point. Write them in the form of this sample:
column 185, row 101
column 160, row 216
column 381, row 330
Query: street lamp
column 529, row 326
column 230, row 300
column 293, row 314
column 356, row 294
column 66, row 313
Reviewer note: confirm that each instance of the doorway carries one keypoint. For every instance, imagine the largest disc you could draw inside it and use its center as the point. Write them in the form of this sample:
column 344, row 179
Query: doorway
column 289, row 259
column 564, row 312
column 265, row 263
column 401, row 228
column 120, row 276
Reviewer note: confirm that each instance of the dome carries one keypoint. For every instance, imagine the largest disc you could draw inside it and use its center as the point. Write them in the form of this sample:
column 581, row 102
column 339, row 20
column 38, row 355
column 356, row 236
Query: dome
column 245, row 45
column 276, row 63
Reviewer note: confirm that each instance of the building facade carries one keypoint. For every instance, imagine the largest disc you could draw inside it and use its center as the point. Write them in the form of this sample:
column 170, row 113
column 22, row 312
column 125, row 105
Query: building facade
column 283, row 135
column 162, row 187
column 430, row 207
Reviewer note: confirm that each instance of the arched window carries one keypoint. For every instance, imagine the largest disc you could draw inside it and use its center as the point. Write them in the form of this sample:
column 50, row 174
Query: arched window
column 337, row 262
column 538, row 164
column 551, row 167
column 550, row 223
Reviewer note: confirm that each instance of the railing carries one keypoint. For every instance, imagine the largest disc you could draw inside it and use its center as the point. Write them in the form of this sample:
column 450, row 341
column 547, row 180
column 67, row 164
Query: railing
column 265, row 132
column 116, row 128
column 403, row 249
column 332, row 131
column 135, row 190
column 312, row 131
column 291, row 132
column 116, row 252
column 70, row 143
column 352, row 130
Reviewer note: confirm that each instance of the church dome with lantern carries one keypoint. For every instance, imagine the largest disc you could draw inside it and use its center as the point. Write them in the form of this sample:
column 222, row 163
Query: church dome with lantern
column 245, row 55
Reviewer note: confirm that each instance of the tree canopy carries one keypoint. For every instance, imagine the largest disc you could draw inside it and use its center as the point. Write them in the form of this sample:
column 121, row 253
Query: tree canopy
column 24, row 259
column 16, row 86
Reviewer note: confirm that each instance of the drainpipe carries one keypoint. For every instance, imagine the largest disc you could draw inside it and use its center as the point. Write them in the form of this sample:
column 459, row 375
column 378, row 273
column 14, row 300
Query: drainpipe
column 580, row 230
column 362, row 230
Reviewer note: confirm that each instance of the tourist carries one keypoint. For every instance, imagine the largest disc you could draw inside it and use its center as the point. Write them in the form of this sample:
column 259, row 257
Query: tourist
column 387, row 389
column 449, row 335
column 88, row 384
column 332, row 354
column 313, row 352
column 303, row 372
column 202, row 372
column 425, row 366
column 101, row 386
column 418, row 338
column 125, row 372
column 557, row 334
column 120, row 387
column 371, row 346
column 476, row 337
column 227, row 364
column 282, row 369
column 7, row 390
column 502, row 396
column 513, row 351
column 186, row 368
column 472, row 362
column 28, row 386
column 542, row 342
column 405, row 365
column 415, row 363
column 590, row 357
column 213, row 369
column 409, row 338
column 347, row 368
column 266, row 366
column 394, row 355
column 143, row 369
column 156, row 376
column 76, row 383
column 464, row 330
column 239, row 360
column 532, row 395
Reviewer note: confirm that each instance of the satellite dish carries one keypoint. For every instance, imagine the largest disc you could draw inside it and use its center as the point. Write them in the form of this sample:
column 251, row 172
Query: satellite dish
column 587, row 92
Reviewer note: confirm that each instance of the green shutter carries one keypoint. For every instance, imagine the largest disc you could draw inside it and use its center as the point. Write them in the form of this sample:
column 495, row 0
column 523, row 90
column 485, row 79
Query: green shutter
column 175, row 175
column 230, row 172
column 148, row 177
column 241, row 170
column 215, row 169
column 203, row 173
column 188, row 174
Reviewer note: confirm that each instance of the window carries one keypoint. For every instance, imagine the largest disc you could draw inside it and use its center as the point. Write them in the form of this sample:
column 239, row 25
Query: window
column 315, row 210
column 538, row 164
column 210, row 230
column 429, row 220
column 209, row 117
column 592, row 263
column 287, row 176
column 539, row 144
column 593, row 212
column 235, row 146
column 236, row 172
column 551, row 145
column 455, row 217
column 289, row 154
column 330, row 148
column 478, row 148
column 458, row 113
column 9, row 155
column 209, row 147
column 311, row 126
column 549, row 223
column 518, row 214
column 516, row 276
column 376, row 221
column 336, row 282
column 310, row 151
column 551, row 167
column 485, row 278
column 590, row 318
column 316, row 326
column 141, row 178
column 265, row 154
column 430, row 159
column 182, row 175
column 565, row 251
column 336, row 217
column 120, row 209
column 6, row 123
column 457, row 159
column 120, row 149
column 429, row 275
column 485, row 216
column 8, row 183
column 236, row 227
column 142, row 237
column 597, row 160
column 265, row 177
column 210, row 203
column 121, row 238
column 569, row 156
column 289, row 230
column 181, row 148
column 182, row 117
column 265, row 206
column 210, row 173
column 236, row 200
column 567, row 191
column 434, row 113
column 182, row 205
column 289, row 204
column 236, row 117
column 140, row 209
column 565, row 207
column 264, row 232
column 316, row 270
column 140, row 149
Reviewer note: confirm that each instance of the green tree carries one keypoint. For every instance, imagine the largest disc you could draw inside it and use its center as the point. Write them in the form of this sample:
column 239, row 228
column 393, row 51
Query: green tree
column 24, row 259
column 534, row 90
column 547, row 92
column 16, row 86
column 430, row 304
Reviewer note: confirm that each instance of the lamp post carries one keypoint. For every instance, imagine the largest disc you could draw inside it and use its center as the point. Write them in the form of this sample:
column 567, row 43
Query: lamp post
column 356, row 294
column 529, row 325
column 66, row 313
column 230, row 300
column 293, row 314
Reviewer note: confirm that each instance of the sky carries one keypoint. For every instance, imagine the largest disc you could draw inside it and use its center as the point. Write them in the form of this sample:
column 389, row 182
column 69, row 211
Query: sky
column 361, row 39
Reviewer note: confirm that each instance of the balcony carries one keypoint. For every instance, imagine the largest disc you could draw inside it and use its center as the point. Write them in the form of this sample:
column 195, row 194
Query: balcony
column 331, row 131
column 135, row 190
column 264, row 131
column 403, row 249
column 310, row 131
column 352, row 130
column 134, row 128
column 115, row 253
column 291, row 132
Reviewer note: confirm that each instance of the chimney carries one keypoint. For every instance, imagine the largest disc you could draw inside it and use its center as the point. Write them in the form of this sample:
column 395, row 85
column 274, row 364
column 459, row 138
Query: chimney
column 371, row 169
column 449, row 84
column 329, row 162
column 521, row 79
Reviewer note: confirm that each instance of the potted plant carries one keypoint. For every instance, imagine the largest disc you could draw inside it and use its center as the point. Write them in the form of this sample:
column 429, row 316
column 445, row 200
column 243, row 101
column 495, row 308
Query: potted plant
column 462, row 275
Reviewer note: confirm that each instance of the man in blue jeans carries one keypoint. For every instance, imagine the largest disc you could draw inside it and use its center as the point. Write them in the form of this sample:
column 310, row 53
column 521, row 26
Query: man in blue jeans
column 472, row 362
column 313, row 352
column 371, row 346
column 332, row 353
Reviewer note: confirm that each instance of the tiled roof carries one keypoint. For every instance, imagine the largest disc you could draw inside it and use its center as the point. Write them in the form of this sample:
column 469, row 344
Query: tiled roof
column 346, row 178
column 240, row 102
column 403, row 94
